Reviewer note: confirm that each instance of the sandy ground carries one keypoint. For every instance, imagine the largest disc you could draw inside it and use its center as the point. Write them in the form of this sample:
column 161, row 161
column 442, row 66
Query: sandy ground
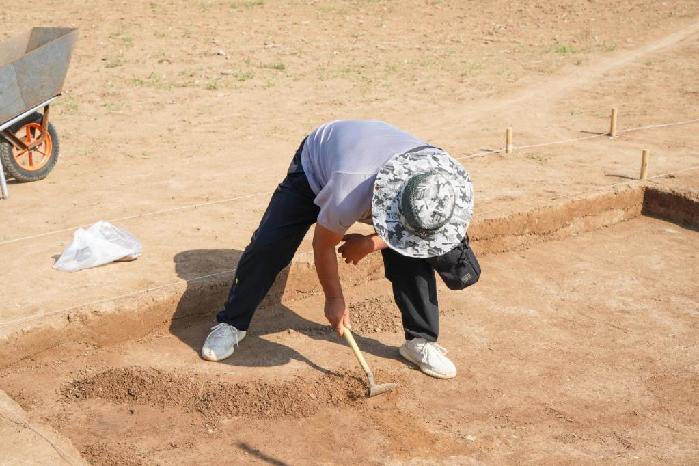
column 25, row 441
column 573, row 351
column 178, row 120
column 170, row 106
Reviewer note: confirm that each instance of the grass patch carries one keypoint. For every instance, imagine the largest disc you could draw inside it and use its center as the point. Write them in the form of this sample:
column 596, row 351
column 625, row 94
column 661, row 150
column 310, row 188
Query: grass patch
column 126, row 40
column 470, row 69
column 68, row 104
column 112, row 106
column 186, row 83
column 153, row 80
column 563, row 49
column 274, row 66
column 244, row 75
column 237, row 4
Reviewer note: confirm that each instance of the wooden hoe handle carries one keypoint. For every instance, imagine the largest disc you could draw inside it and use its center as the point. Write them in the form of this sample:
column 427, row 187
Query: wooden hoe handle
column 357, row 353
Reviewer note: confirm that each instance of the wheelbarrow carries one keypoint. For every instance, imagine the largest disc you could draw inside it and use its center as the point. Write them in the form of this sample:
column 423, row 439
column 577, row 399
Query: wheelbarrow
column 33, row 67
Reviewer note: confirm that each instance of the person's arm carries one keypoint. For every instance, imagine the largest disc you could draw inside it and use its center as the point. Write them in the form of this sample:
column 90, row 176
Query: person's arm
column 357, row 246
column 325, row 257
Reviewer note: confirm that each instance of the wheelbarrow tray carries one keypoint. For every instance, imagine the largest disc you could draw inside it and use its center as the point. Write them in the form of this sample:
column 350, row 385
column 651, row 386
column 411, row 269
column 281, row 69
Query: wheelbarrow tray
column 33, row 67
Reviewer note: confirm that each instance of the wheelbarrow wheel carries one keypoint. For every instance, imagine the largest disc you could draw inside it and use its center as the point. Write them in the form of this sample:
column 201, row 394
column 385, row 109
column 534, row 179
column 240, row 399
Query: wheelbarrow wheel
column 35, row 164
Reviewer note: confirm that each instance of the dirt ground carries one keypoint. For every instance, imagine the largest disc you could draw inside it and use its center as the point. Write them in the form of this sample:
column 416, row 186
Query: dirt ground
column 572, row 352
column 179, row 118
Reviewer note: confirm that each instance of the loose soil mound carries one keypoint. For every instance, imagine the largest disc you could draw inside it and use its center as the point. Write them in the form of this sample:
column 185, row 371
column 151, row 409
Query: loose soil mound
column 104, row 454
column 299, row 397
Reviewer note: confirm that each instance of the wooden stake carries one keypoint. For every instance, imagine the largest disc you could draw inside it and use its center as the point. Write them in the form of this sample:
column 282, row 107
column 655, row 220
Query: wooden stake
column 508, row 141
column 612, row 124
column 644, row 164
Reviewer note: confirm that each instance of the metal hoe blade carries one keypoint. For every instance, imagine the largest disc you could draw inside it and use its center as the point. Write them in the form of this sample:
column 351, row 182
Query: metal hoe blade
column 382, row 388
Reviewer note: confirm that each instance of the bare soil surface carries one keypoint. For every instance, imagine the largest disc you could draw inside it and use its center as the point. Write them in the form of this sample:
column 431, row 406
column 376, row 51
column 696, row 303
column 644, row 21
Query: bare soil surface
column 178, row 120
column 573, row 351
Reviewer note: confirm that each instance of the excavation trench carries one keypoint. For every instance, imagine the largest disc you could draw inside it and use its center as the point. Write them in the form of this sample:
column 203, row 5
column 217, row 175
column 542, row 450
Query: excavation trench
column 136, row 315
column 140, row 394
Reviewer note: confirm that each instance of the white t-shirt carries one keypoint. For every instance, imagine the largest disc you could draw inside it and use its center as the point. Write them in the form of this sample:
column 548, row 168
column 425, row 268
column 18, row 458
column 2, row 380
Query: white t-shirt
column 341, row 160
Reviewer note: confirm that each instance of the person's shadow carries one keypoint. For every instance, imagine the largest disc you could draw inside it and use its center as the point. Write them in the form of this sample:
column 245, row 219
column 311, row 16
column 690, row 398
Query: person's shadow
column 209, row 274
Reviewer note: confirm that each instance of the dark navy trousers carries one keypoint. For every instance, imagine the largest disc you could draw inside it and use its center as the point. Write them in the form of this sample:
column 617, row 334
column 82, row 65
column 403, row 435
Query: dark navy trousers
column 290, row 214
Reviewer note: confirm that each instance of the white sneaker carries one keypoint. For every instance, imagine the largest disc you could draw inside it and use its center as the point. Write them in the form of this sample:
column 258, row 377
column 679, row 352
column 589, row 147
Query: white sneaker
column 221, row 342
column 429, row 356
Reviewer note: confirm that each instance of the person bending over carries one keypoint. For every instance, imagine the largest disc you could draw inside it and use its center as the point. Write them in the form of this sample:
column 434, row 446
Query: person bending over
column 419, row 201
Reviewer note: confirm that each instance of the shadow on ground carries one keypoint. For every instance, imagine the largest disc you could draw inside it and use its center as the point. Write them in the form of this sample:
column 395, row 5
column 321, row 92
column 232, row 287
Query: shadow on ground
column 196, row 310
column 260, row 455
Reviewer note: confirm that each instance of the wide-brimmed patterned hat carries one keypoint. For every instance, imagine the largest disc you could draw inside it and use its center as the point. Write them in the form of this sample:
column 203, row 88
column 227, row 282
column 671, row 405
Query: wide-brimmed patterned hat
column 422, row 202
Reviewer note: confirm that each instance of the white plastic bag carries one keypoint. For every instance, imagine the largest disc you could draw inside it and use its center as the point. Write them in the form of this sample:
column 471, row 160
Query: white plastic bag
column 100, row 244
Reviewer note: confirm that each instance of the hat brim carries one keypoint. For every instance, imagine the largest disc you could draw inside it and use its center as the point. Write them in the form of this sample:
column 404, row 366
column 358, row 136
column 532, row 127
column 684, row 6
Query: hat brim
column 386, row 197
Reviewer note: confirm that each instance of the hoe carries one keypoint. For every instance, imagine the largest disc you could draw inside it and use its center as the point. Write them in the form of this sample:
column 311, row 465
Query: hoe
column 374, row 388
